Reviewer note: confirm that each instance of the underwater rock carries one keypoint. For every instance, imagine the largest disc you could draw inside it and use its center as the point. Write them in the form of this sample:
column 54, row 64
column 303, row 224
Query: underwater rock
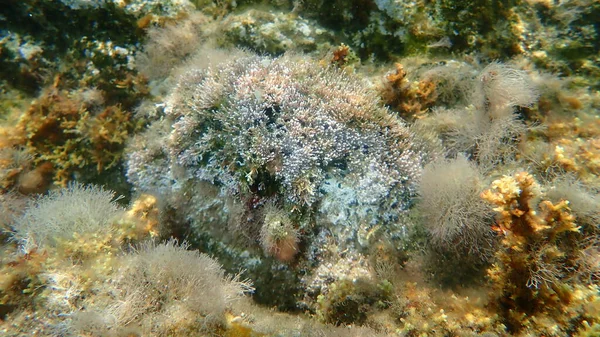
column 257, row 135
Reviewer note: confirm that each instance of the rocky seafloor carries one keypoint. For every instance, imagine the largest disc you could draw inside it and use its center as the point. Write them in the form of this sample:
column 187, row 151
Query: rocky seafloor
column 299, row 168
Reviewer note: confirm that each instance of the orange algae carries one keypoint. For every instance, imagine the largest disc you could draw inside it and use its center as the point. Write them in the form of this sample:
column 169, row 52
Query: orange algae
column 535, row 279
column 60, row 129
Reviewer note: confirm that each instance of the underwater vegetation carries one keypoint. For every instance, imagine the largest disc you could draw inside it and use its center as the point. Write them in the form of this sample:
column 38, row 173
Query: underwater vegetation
column 539, row 270
column 162, row 290
column 299, row 168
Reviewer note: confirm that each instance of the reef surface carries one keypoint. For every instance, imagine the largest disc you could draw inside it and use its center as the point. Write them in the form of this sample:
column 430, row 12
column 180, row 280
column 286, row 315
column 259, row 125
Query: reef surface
column 299, row 168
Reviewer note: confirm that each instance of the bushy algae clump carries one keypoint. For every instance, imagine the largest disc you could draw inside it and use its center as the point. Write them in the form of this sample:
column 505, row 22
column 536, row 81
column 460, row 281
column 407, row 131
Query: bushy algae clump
column 64, row 248
column 543, row 276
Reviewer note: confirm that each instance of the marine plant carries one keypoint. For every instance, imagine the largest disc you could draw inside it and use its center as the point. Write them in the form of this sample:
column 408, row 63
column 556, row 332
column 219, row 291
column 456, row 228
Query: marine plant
column 65, row 214
column 161, row 290
column 454, row 215
column 278, row 236
column 536, row 283
column 63, row 249
column 71, row 132
column 488, row 128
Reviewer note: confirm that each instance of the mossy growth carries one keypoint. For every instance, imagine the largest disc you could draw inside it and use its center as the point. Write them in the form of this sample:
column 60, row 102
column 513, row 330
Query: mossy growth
column 485, row 26
column 351, row 301
column 62, row 129
column 57, row 28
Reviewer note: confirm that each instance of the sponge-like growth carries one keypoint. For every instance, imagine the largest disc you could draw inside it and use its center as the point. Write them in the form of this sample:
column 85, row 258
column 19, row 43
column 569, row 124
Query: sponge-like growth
column 62, row 214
